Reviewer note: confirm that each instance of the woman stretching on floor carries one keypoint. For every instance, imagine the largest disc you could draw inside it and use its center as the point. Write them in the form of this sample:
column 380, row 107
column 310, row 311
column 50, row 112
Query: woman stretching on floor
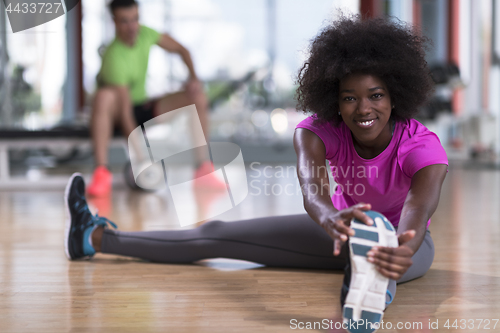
column 363, row 83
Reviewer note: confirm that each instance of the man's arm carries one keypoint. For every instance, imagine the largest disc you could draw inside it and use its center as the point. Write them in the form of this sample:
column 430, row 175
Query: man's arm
column 171, row 45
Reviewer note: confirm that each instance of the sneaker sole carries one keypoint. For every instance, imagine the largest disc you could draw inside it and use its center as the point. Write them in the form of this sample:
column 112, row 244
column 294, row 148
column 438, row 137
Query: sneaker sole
column 67, row 226
column 365, row 301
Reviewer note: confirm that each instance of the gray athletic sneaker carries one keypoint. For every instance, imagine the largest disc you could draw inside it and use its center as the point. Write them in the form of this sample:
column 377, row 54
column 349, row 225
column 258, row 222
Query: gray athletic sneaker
column 363, row 294
column 79, row 220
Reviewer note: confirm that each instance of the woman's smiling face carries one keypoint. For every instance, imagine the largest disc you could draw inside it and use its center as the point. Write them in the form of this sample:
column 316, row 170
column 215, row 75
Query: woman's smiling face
column 365, row 107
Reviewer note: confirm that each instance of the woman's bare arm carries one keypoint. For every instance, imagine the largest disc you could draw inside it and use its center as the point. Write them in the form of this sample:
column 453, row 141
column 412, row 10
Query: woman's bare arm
column 315, row 185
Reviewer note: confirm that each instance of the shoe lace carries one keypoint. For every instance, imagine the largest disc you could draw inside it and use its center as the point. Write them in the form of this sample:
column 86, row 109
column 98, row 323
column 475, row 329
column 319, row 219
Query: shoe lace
column 99, row 220
column 82, row 208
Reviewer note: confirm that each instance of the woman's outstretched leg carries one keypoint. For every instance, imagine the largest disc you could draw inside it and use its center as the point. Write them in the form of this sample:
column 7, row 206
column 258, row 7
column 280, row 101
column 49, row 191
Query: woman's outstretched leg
column 281, row 241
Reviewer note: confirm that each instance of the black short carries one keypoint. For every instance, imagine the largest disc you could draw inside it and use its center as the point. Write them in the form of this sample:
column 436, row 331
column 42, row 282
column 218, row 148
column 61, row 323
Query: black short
column 144, row 112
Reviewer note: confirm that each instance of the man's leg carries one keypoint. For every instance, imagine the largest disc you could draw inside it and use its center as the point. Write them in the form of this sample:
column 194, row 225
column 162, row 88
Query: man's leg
column 181, row 99
column 104, row 111
column 203, row 165
column 107, row 111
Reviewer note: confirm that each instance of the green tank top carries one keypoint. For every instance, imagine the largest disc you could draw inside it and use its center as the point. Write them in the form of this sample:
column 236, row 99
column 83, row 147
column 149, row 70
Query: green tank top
column 123, row 65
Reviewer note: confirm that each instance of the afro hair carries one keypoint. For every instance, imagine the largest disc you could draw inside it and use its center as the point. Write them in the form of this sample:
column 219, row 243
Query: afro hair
column 390, row 50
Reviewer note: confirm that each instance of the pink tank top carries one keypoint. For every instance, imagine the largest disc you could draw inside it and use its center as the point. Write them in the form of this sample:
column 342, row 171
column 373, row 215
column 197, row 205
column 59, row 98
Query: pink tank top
column 383, row 181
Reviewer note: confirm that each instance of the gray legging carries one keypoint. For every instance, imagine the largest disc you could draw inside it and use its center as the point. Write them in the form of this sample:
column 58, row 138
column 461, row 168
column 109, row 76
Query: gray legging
column 278, row 241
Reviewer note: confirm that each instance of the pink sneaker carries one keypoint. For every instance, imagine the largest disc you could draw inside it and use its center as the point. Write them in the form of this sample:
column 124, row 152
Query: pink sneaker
column 204, row 178
column 101, row 182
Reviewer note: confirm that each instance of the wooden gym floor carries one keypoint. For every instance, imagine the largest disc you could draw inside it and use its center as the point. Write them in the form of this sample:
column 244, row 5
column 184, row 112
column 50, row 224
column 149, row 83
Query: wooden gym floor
column 41, row 291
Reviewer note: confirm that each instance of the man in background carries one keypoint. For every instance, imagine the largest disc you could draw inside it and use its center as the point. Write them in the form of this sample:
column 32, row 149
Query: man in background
column 121, row 95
